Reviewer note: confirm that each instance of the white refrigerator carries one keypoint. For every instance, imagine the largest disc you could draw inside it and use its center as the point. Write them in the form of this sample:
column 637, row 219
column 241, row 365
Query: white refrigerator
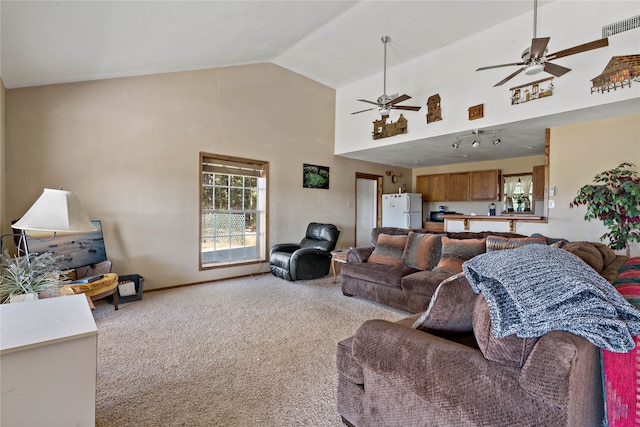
column 402, row 210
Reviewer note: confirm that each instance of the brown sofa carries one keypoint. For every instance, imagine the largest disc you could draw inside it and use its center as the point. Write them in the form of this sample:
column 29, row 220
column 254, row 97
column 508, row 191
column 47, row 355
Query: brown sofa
column 444, row 367
column 402, row 284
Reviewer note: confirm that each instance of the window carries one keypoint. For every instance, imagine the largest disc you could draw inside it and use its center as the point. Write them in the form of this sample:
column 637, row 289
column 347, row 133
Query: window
column 233, row 200
column 517, row 193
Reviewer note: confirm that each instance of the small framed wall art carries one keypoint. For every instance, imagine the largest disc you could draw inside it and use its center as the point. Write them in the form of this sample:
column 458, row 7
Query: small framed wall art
column 314, row 176
column 476, row 112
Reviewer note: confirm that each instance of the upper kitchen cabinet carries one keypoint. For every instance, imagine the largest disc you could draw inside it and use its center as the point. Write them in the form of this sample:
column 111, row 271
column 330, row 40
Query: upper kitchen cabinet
column 485, row 185
column 538, row 182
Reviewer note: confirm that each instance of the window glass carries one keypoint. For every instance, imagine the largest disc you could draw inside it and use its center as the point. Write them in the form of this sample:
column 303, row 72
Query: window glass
column 232, row 210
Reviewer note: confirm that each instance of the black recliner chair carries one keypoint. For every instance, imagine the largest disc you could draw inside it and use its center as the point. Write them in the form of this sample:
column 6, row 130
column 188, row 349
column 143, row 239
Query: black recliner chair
column 311, row 259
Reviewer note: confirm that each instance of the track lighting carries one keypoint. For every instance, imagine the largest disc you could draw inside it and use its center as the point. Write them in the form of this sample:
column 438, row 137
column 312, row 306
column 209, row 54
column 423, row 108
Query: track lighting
column 476, row 134
column 496, row 141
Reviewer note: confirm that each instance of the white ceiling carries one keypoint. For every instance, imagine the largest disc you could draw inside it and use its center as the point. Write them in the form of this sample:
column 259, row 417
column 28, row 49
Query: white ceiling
column 333, row 42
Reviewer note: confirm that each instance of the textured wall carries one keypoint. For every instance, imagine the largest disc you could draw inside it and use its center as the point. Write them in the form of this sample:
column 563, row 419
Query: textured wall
column 129, row 148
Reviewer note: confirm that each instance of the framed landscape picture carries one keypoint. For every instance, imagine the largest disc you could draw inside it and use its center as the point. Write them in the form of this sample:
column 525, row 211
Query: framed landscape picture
column 314, row 176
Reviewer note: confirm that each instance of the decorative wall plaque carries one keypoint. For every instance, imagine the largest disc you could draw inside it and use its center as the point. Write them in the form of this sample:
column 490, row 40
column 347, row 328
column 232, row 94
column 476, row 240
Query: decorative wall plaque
column 476, row 112
column 531, row 91
column 382, row 129
column 434, row 113
column 618, row 73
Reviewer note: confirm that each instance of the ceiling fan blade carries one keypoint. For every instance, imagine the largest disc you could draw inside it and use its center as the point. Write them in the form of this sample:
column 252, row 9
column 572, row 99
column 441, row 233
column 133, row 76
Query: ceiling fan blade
column 405, row 107
column 555, row 69
column 500, row 66
column 399, row 99
column 538, row 46
column 369, row 102
column 362, row 111
column 509, row 77
column 596, row 44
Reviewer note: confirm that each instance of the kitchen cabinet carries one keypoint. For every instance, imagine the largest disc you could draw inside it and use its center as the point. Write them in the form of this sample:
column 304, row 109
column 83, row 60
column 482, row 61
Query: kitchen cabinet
column 538, row 182
column 433, row 187
column 485, row 185
column 458, row 187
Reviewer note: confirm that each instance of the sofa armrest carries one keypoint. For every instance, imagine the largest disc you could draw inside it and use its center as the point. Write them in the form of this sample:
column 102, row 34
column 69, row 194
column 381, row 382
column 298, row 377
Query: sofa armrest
column 284, row 247
column 546, row 374
column 450, row 308
column 359, row 254
column 306, row 261
column 426, row 364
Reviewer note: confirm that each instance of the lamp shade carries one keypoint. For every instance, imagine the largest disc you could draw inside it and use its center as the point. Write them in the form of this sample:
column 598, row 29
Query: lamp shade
column 56, row 210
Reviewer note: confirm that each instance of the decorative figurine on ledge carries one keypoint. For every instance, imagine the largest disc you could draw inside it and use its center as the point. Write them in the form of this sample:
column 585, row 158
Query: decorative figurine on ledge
column 382, row 129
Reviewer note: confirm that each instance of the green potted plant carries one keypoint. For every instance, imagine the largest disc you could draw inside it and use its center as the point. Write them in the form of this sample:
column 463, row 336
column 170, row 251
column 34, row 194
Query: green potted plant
column 614, row 199
column 35, row 275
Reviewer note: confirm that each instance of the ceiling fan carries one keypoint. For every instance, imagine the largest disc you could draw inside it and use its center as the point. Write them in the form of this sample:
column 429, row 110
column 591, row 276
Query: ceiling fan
column 385, row 103
column 535, row 58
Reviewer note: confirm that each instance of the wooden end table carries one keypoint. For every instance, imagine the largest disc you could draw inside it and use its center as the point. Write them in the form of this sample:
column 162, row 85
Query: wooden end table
column 338, row 255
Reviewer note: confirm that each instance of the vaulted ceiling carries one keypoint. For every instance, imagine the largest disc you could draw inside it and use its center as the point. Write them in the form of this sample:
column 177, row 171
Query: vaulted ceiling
column 332, row 42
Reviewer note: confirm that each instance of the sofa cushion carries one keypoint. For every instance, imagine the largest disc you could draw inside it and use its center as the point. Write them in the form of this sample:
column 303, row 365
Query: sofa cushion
column 597, row 255
column 510, row 350
column 498, row 243
column 456, row 251
column 382, row 274
column 424, row 282
column 389, row 249
column 450, row 308
column 422, row 250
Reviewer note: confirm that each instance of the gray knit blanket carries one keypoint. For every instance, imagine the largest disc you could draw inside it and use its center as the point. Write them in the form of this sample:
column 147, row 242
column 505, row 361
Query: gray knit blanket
column 537, row 288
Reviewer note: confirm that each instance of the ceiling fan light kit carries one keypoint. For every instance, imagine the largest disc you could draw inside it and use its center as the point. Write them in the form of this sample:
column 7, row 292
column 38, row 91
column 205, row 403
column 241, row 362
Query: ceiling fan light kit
column 535, row 58
column 385, row 103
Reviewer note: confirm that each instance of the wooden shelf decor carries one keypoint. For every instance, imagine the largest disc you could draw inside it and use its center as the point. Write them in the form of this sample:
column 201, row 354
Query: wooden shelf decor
column 531, row 91
column 618, row 73
column 476, row 112
column 382, row 129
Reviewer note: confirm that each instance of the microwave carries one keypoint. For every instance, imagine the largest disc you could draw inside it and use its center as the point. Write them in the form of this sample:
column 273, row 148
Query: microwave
column 436, row 216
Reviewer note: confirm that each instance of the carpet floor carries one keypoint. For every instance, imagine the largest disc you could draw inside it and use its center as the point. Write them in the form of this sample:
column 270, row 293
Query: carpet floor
column 255, row 351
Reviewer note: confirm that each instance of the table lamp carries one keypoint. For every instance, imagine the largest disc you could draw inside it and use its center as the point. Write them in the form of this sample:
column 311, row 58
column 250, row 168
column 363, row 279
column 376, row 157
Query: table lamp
column 55, row 210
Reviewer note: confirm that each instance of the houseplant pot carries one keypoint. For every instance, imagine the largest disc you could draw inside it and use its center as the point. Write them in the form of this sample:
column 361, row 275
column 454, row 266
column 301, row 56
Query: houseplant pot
column 615, row 200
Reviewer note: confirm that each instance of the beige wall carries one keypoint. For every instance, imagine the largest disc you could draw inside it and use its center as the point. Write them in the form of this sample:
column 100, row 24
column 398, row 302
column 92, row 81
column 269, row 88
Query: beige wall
column 578, row 153
column 129, row 148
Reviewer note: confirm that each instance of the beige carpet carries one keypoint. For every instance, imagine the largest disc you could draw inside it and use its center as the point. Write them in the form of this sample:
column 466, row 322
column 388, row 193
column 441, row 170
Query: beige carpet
column 257, row 351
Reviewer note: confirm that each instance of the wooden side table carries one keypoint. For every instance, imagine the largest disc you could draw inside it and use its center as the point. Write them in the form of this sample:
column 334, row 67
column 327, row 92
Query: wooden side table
column 338, row 255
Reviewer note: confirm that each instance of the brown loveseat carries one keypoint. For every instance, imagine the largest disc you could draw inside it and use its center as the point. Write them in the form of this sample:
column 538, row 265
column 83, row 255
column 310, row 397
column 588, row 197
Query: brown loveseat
column 404, row 278
column 444, row 367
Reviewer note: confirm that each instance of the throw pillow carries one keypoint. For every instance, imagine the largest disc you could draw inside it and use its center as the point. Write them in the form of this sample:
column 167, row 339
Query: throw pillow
column 389, row 249
column 510, row 350
column 587, row 252
column 422, row 250
column 450, row 309
column 498, row 243
column 456, row 251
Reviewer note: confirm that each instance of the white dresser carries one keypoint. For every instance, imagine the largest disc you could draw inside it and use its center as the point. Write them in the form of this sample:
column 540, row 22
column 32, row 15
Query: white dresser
column 48, row 356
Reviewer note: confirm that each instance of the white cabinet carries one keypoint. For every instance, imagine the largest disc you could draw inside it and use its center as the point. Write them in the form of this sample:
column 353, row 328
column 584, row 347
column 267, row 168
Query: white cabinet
column 48, row 357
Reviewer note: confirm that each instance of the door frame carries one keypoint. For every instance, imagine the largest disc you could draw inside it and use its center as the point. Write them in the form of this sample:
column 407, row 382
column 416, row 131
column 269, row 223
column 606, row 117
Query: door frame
column 379, row 191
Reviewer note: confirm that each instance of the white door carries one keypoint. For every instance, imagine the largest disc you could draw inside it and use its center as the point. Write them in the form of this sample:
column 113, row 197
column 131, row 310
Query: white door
column 366, row 210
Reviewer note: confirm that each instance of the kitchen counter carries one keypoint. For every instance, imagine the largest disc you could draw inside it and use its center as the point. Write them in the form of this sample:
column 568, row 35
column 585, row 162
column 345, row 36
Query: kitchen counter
column 510, row 218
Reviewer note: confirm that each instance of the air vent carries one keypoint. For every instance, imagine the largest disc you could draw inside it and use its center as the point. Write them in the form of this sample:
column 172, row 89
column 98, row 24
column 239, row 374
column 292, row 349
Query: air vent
column 621, row 26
